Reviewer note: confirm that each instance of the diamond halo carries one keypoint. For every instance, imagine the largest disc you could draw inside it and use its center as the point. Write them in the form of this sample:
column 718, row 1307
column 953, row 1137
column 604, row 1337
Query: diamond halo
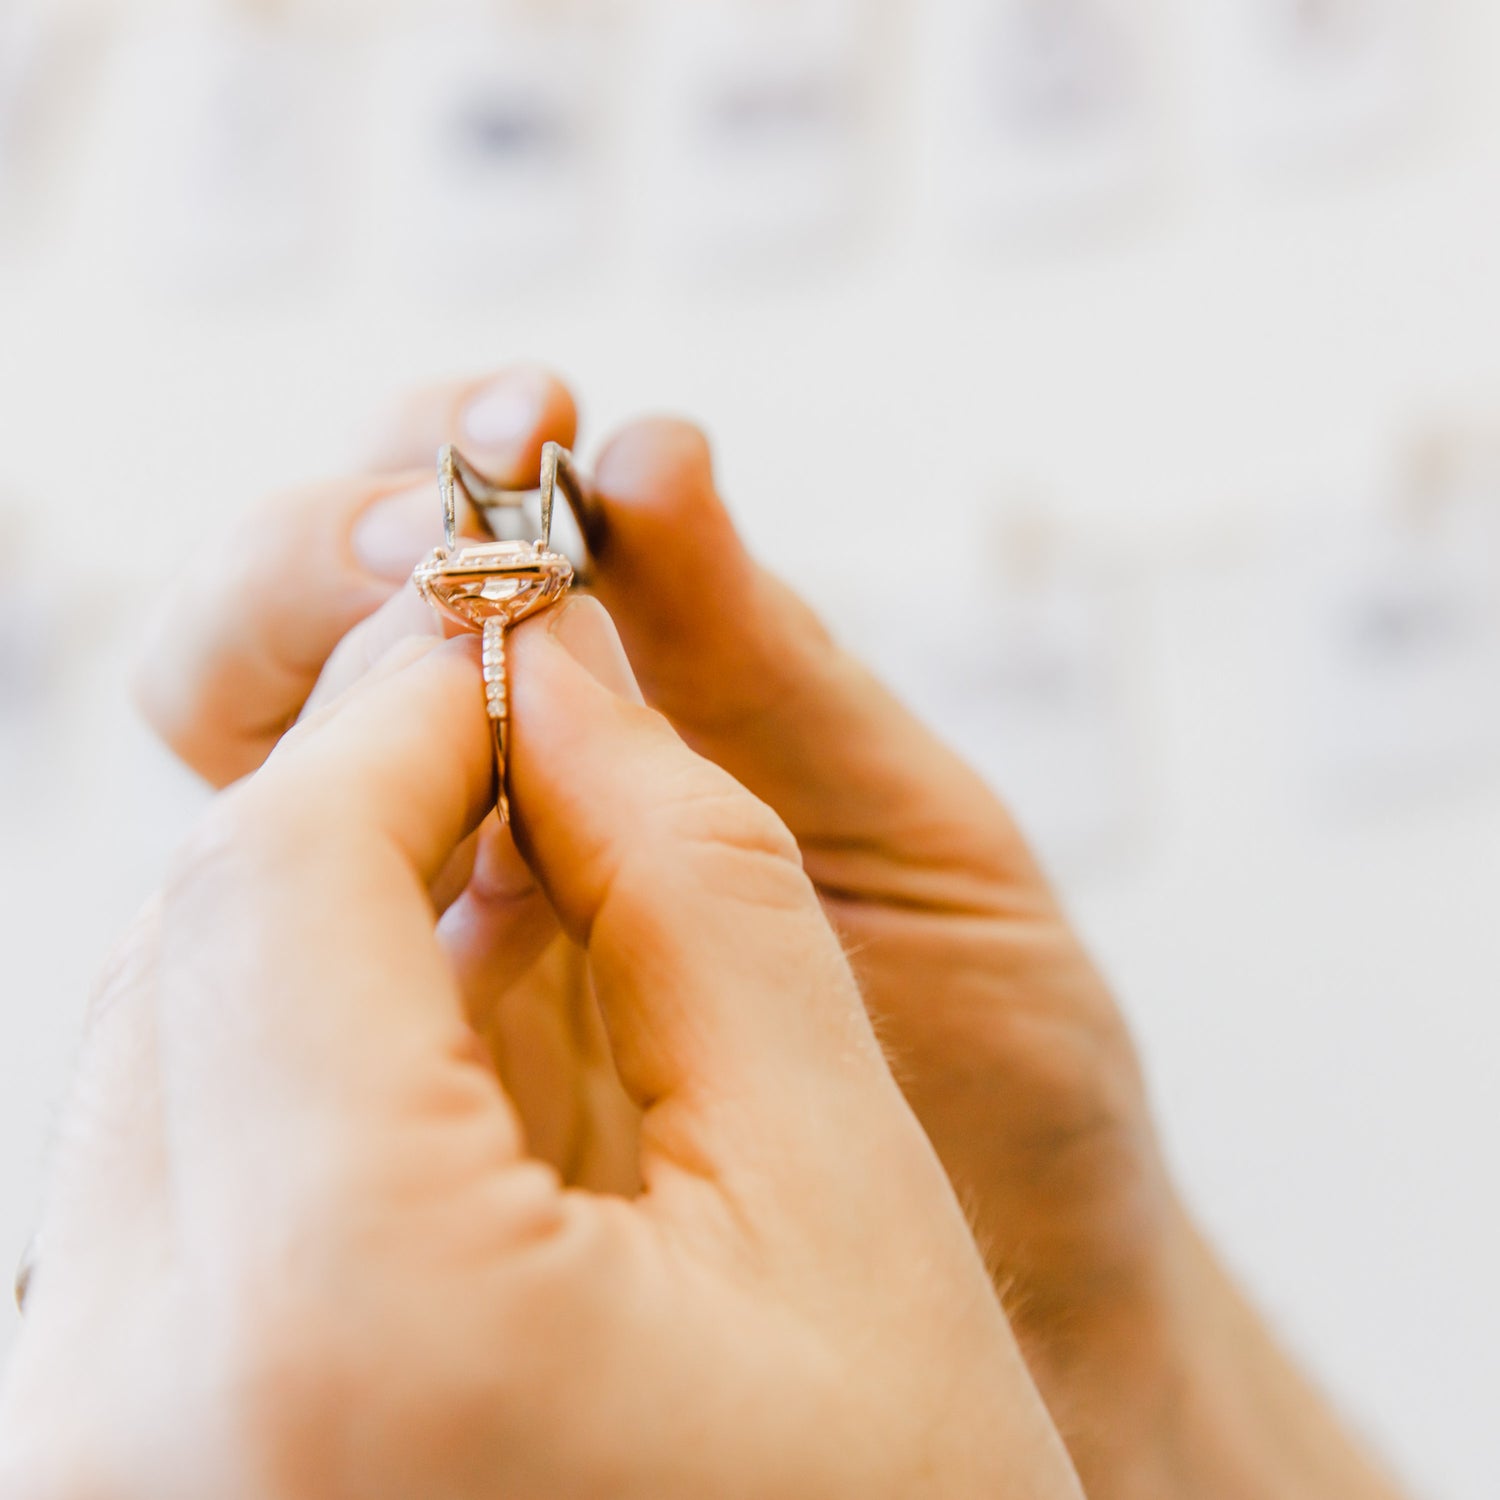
column 493, row 580
column 491, row 586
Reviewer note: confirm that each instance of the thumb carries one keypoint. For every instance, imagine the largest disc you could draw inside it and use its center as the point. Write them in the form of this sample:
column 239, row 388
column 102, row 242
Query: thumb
column 751, row 678
column 733, row 1016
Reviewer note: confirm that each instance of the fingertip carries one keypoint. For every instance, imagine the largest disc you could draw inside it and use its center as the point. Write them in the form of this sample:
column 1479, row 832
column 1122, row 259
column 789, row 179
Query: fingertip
column 428, row 684
column 667, row 553
column 586, row 632
column 458, row 656
column 502, row 421
column 575, row 709
column 408, row 749
column 658, row 463
column 147, row 687
column 195, row 715
column 395, row 527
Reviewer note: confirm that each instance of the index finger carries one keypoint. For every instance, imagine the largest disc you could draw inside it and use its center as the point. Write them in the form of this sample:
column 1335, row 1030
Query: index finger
column 299, row 960
column 293, row 1025
column 246, row 631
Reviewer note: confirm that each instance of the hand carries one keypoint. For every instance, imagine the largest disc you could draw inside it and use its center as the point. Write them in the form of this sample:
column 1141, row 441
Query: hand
column 1006, row 1040
column 1003, row 1036
column 244, row 648
column 954, row 932
column 297, row 1246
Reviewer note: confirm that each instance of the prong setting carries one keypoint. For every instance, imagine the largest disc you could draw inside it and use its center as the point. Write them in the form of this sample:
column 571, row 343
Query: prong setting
column 491, row 586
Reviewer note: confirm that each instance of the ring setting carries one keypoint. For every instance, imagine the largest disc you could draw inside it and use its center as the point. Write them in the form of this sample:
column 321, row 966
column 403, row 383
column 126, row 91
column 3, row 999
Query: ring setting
column 492, row 586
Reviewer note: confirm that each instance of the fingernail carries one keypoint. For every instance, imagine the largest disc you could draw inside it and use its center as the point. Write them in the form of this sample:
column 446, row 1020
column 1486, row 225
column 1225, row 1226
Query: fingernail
column 397, row 532
column 583, row 628
column 505, row 414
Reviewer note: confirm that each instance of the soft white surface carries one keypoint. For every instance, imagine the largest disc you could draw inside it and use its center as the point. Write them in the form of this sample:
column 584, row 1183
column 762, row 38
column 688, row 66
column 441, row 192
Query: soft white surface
column 1315, row 990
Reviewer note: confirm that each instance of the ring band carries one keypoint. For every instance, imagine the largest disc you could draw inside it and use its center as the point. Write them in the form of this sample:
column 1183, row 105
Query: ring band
column 491, row 586
column 497, row 706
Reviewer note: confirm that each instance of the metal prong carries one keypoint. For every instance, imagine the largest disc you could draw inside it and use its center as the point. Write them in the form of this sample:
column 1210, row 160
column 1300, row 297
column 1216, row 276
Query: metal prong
column 551, row 459
column 448, row 482
column 456, row 474
column 559, row 470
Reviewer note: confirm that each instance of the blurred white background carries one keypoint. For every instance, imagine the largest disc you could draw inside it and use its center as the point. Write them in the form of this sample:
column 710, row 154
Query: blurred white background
column 1169, row 330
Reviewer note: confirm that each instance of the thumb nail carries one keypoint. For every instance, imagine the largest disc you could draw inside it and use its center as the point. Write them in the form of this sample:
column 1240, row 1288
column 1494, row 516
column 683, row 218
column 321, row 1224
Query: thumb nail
column 583, row 628
column 502, row 419
column 396, row 532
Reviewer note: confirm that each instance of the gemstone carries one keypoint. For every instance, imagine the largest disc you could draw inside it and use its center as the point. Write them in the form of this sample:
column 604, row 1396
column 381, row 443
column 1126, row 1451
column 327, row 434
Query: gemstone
column 504, row 581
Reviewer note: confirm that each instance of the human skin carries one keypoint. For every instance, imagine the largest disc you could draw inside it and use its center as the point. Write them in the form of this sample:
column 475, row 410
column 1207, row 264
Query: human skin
column 1005, row 1038
column 297, row 1246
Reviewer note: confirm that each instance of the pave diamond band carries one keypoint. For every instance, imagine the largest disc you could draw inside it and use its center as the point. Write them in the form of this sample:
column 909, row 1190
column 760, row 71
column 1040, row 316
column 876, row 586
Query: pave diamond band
column 497, row 702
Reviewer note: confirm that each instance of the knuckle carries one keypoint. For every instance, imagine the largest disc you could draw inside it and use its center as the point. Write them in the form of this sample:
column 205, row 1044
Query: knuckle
column 191, row 677
column 722, row 841
column 719, row 813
